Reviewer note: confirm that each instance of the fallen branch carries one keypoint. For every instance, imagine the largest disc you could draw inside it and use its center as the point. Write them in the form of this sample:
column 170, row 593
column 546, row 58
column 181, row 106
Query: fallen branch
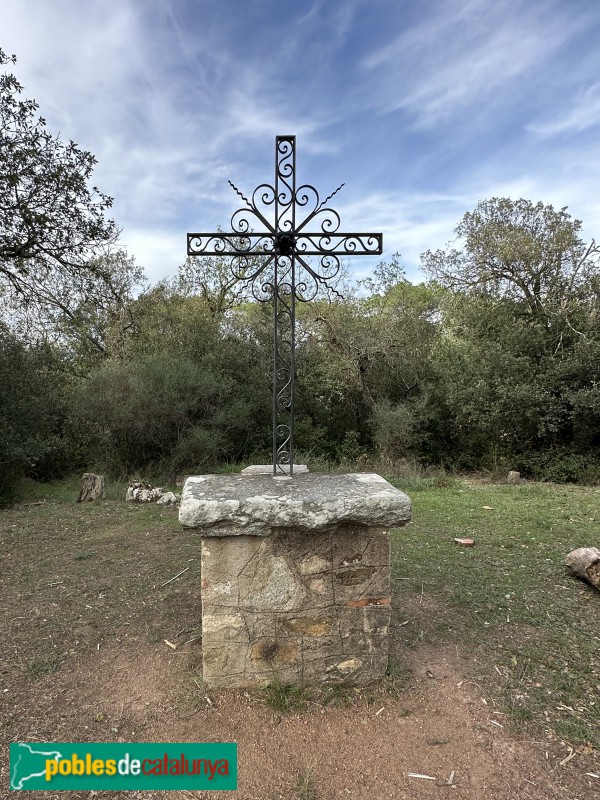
column 566, row 760
column 179, row 574
column 585, row 563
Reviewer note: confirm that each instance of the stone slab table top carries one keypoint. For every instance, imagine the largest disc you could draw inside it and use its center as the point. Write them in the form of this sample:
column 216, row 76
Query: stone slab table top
column 252, row 505
column 267, row 469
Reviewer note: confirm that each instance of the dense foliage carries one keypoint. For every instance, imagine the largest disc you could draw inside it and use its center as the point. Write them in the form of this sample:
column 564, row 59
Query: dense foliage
column 469, row 378
column 56, row 242
column 494, row 363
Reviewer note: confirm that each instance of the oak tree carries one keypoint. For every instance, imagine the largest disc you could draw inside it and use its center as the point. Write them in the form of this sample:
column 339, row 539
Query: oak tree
column 53, row 226
column 526, row 252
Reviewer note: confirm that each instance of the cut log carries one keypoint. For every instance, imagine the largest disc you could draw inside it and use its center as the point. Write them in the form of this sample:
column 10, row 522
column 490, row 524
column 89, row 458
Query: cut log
column 585, row 563
column 92, row 487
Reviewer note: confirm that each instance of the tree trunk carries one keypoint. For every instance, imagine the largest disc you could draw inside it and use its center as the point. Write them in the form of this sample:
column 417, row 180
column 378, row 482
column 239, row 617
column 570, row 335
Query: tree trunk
column 585, row 563
column 92, row 487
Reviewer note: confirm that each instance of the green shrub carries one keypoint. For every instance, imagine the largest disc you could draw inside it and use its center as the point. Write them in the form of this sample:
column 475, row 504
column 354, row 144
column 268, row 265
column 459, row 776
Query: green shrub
column 560, row 465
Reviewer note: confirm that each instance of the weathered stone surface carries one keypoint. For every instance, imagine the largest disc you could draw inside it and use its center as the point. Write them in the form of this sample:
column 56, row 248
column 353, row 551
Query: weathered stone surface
column 309, row 625
column 275, row 652
column 290, row 602
column 224, row 660
column 168, row 499
column 229, row 505
column 270, row 583
column 314, row 564
column 263, row 598
column 267, row 469
column 142, row 492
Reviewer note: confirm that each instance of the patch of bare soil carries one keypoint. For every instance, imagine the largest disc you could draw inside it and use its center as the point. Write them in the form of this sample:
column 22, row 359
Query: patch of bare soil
column 440, row 727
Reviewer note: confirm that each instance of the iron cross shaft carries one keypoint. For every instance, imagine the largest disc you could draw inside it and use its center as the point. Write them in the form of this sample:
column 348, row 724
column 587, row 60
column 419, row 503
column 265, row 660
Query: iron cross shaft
column 278, row 264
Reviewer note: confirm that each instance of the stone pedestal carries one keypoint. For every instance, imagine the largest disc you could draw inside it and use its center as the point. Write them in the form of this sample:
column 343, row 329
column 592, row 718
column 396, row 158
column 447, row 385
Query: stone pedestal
column 295, row 576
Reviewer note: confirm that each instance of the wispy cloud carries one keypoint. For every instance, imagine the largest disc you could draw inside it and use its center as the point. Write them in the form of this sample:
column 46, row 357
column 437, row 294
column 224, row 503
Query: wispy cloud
column 421, row 108
column 464, row 54
column 581, row 114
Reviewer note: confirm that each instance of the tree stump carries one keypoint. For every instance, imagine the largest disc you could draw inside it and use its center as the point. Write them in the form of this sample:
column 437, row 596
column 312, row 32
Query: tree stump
column 585, row 563
column 92, row 487
column 513, row 477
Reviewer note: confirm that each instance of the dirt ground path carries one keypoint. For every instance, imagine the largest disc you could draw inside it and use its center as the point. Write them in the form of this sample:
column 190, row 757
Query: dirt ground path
column 440, row 726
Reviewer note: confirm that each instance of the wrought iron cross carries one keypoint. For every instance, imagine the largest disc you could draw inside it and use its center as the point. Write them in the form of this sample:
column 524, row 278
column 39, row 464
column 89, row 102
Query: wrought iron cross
column 276, row 264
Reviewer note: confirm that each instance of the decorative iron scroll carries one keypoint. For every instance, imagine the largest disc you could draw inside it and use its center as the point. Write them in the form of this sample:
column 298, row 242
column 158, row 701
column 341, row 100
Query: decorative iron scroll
column 275, row 264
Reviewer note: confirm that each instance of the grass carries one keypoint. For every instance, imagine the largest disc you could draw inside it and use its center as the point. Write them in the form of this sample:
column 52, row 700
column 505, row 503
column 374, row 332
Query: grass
column 289, row 697
column 397, row 679
column 305, row 788
column 339, row 695
column 64, row 492
column 532, row 630
column 85, row 573
column 41, row 666
column 285, row 697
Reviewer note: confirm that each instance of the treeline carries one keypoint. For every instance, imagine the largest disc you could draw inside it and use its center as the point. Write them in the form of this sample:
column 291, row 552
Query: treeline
column 493, row 364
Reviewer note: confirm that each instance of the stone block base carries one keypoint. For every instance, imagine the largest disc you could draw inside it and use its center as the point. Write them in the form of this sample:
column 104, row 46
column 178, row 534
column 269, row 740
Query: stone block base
column 296, row 607
column 295, row 575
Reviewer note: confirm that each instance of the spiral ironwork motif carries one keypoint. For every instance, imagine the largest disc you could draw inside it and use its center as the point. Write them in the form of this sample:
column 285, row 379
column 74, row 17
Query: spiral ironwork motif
column 277, row 265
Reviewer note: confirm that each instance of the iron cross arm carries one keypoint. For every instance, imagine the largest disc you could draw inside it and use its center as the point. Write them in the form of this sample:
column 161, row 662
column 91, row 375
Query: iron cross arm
column 285, row 243
column 276, row 263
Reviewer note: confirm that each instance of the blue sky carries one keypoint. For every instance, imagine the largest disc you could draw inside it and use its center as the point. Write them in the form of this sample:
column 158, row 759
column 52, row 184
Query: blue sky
column 422, row 108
